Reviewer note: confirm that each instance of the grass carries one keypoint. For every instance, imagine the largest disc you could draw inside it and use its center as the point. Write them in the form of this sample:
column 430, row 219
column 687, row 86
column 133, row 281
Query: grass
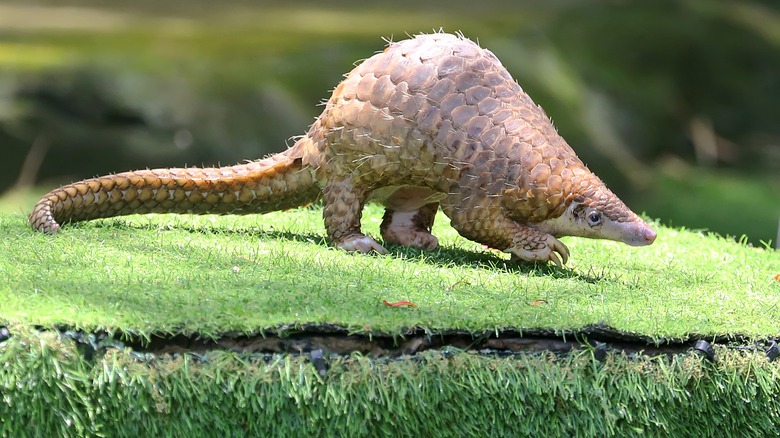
column 46, row 383
column 210, row 275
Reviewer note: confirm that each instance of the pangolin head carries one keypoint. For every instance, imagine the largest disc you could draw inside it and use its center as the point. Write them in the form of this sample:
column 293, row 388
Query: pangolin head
column 592, row 210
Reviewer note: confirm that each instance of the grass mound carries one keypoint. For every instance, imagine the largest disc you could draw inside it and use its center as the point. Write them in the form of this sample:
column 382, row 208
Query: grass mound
column 211, row 275
column 152, row 278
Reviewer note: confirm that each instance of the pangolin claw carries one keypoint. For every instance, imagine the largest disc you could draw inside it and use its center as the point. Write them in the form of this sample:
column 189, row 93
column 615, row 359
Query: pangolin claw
column 554, row 258
column 561, row 249
column 362, row 244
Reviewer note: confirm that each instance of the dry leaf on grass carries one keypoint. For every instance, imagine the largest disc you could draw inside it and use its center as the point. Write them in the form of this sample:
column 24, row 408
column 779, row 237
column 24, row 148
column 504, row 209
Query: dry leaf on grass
column 399, row 304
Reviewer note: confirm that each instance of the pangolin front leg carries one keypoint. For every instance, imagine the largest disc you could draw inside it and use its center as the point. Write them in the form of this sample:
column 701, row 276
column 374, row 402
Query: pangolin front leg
column 343, row 209
column 489, row 226
column 411, row 228
column 530, row 244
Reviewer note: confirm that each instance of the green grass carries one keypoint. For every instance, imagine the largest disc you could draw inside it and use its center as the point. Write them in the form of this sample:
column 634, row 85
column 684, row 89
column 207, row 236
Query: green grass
column 211, row 275
column 48, row 386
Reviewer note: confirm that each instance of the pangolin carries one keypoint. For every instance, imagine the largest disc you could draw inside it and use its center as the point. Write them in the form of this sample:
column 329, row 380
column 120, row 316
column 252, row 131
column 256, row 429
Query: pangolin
column 434, row 120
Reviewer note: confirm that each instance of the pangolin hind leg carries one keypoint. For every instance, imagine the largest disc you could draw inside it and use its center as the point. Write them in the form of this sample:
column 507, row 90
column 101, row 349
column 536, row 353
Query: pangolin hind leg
column 343, row 209
column 411, row 228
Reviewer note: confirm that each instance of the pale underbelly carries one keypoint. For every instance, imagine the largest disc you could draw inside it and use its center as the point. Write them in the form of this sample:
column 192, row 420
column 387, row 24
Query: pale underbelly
column 405, row 198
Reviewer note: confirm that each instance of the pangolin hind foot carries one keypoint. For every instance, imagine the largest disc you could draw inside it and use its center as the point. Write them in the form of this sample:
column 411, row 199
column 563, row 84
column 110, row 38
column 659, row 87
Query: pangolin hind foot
column 431, row 121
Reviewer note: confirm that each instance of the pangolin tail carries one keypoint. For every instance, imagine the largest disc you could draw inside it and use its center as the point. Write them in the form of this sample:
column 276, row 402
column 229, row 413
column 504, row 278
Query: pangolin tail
column 278, row 182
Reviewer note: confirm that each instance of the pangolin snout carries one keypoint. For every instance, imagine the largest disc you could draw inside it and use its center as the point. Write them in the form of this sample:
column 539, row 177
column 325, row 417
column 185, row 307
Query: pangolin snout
column 641, row 235
column 649, row 236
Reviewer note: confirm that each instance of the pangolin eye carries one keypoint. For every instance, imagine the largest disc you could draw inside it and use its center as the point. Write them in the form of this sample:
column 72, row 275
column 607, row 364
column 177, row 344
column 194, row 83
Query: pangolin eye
column 594, row 218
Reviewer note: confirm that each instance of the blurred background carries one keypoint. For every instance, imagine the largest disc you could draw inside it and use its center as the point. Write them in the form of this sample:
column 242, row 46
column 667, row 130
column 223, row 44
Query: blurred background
column 675, row 104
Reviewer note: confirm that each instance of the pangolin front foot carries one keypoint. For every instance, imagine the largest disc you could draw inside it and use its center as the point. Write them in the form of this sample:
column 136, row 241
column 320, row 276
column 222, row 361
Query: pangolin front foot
column 540, row 248
column 360, row 243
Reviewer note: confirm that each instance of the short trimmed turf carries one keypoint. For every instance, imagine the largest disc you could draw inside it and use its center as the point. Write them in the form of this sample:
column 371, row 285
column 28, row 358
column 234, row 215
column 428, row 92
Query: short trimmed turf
column 211, row 275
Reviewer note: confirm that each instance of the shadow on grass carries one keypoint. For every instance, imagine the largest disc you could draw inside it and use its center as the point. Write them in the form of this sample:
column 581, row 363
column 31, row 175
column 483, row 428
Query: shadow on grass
column 248, row 232
column 440, row 257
